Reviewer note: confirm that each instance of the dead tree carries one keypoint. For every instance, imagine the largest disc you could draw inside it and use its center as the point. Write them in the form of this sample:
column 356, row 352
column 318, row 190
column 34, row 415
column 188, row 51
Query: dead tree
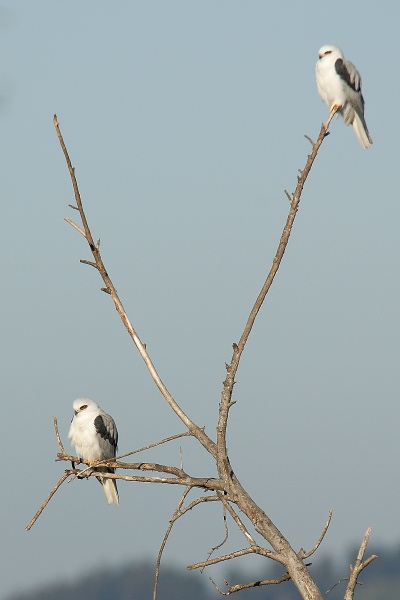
column 223, row 487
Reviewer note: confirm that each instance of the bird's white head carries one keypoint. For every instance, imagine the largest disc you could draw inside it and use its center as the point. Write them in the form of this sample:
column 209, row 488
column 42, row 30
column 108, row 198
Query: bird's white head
column 82, row 404
column 329, row 50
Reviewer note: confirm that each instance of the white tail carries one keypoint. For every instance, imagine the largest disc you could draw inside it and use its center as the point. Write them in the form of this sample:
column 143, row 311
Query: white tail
column 362, row 132
column 109, row 487
column 110, row 491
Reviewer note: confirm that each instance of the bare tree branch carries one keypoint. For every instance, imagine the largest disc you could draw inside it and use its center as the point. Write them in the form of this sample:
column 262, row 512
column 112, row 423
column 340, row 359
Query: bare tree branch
column 226, row 482
column 45, row 503
column 302, row 553
column 197, row 431
column 176, row 476
column 226, row 396
column 358, row 567
column 180, row 475
column 219, row 559
column 58, row 435
column 179, row 512
column 175, row 516
column 237, row 520
column 75, row 226
column 261, row 521
column 337, row 583
column 164, row 441
column 225, row 538
column 198, row 501
column 93, row 264
column 236, row 554
column 231, row 589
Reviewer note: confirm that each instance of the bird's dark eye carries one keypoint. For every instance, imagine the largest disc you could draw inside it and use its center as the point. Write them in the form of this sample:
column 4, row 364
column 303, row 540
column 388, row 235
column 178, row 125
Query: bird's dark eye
column 328, row 52
column 83, row 407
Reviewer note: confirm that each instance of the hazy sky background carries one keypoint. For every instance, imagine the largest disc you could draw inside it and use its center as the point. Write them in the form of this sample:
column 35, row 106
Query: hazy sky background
column 185, row 122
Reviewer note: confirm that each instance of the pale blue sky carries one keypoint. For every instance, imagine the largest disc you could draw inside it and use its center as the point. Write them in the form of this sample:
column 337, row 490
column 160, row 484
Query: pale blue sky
column 185, row 122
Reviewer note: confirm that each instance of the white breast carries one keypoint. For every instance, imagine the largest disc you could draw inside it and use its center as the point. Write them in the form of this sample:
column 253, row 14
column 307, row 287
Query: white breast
column 83, row 437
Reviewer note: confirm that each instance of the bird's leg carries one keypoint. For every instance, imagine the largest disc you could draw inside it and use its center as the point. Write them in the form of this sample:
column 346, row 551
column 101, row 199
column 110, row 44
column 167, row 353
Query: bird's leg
column 73, row 463
column 84, row 474
column 333, row 111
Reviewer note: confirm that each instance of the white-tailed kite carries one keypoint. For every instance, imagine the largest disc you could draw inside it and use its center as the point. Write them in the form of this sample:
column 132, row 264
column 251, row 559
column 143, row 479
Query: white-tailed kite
column 339, row 85
column 94, row 436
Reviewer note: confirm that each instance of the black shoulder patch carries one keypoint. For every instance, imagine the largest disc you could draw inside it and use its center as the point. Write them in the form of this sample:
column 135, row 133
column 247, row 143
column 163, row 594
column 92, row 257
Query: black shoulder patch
column 344, row 74
column 103, row 431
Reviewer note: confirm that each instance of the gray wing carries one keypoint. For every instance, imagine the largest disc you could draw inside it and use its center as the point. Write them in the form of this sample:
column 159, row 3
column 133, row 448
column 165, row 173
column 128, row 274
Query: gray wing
column 108, row 435
column 349, row 74
column 347, row 71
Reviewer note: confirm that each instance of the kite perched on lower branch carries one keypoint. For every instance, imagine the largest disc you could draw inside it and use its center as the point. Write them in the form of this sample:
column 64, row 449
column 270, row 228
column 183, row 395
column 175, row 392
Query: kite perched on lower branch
column 94, row 435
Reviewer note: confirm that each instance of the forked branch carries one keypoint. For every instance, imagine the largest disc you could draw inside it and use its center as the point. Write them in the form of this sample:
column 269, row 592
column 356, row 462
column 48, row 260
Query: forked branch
column 232, row 493
column 358, row 566
column 197, row 431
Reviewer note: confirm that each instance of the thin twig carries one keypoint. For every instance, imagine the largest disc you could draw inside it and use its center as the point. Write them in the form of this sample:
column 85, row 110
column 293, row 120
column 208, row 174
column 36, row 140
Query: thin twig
column 74, row 225
column 334, row 585
column 218, row 559
column 179, row 512
column 302, row 553
column 164, row 441
column 196, row 502
column 174, row 517
column 289, row 197
column 237, row 520
column 88, row 262
column 236, row 554
column 231, row 589
column 218, row 546
column 45, row 503
column 310, row 140
column 58, row 435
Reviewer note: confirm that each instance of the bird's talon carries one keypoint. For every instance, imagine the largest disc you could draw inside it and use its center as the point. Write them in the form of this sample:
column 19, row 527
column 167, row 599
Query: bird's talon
column 85, row 474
